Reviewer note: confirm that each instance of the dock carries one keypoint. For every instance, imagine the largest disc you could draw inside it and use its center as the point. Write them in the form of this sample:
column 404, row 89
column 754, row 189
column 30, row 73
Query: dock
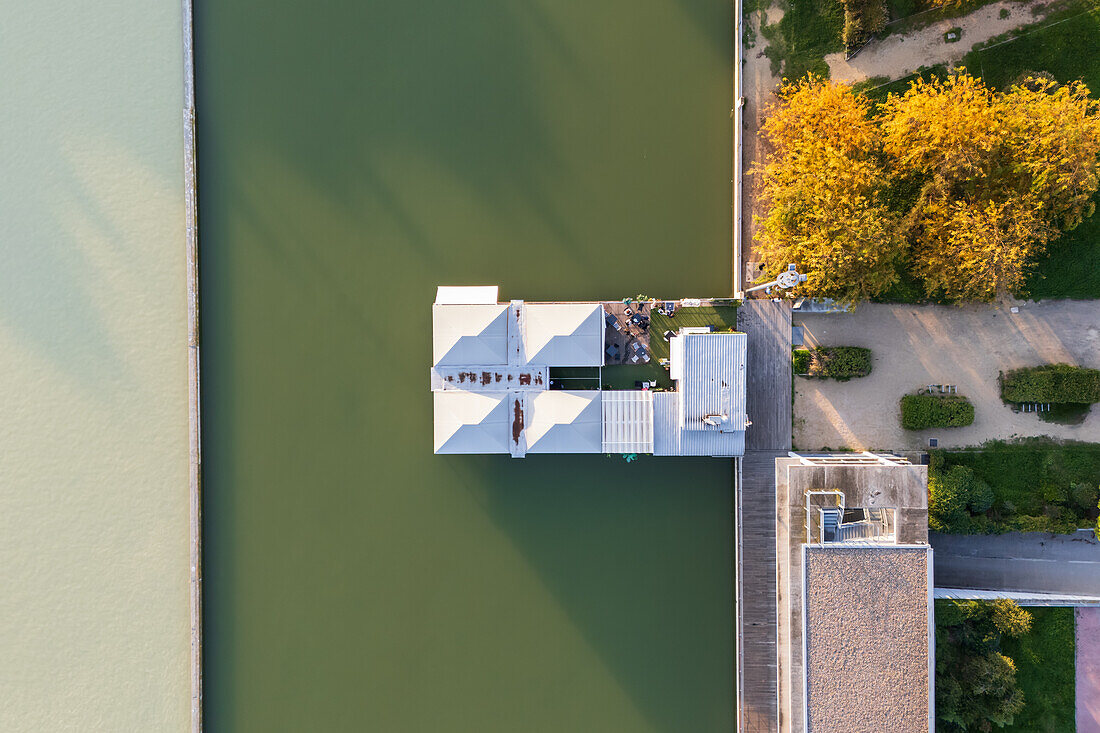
column 768, row 326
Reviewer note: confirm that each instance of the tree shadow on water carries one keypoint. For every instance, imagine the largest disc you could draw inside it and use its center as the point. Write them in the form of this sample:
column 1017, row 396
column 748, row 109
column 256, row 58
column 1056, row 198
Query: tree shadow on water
column 640, row 558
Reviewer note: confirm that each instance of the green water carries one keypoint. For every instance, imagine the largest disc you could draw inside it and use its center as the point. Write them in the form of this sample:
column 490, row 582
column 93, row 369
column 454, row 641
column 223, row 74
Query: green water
column 353, row 155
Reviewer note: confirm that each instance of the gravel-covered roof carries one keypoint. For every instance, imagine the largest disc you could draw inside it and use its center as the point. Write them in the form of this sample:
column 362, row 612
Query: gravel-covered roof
column 867, row 638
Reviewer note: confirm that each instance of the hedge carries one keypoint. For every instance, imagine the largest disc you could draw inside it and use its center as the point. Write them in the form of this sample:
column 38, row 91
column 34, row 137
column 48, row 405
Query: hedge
column 801, row 361
column 1054, row 383
column 920, row 411
column 862, row 19
column 833, row 362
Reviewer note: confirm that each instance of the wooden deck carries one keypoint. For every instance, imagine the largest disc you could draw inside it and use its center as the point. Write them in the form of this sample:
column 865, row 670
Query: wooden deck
column 768, row 327
column 756, row 599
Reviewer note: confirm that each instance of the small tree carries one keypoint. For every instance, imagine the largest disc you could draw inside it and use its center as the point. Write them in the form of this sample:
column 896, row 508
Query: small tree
column 976, row 684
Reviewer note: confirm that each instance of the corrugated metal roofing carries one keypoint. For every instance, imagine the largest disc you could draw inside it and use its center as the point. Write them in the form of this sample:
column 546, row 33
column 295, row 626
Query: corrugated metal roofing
column 670, row 440
column 628, row 421
column 712, row 381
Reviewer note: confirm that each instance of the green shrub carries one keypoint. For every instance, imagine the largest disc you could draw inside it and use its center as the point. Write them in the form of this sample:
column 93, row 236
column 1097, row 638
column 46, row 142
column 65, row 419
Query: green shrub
column 833, row 362
column 801, row 361
column 1054, row 494
column 919, row 412
column 862, row 19
column 951, row 495
column 1055, row 383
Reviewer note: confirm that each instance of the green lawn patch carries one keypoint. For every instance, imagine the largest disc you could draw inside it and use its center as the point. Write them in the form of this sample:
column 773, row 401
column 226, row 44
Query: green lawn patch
column 625, row 376
column 1071, row 267
column 1037, row 485
column 797, row 44
column 722, row 318
column 1066, row 44
column 1045, row 671
column 719, row 317
column 922, row 411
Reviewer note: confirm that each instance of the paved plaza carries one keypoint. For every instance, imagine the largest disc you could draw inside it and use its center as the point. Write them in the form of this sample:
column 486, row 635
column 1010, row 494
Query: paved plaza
column 915, row 346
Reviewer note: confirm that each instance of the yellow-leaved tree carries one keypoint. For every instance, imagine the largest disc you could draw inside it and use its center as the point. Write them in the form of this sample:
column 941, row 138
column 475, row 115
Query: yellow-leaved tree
column 974, row 250
column 820, row 186
column 984, row 210
column 944, row 127
column 1053, row 140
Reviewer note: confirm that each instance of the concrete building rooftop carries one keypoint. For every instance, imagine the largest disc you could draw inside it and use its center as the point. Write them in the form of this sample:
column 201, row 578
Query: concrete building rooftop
column 868, row 631
column 854, row 608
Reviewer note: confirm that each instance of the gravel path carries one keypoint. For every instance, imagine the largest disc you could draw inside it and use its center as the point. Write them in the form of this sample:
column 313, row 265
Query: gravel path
column 920, row 345
column 899, row 55
column 758, row 85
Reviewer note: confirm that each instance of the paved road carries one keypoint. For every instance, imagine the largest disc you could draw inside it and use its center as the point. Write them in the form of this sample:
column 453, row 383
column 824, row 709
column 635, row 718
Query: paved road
column 1017, row 561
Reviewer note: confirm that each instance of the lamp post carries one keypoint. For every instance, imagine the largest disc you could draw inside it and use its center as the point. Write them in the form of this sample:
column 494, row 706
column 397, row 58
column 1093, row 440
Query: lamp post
column 786, row 280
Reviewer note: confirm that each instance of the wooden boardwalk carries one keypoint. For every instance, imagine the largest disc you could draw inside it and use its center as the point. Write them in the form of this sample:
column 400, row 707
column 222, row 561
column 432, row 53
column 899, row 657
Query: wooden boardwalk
column 768, row 326
column 768, row 380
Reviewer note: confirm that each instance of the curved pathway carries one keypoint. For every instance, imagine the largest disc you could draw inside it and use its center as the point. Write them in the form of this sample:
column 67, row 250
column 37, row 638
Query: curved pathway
column 899, row 55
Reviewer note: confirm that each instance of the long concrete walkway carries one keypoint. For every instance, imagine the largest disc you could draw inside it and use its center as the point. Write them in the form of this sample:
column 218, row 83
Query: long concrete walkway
column 1088, row 669
column 1033, row 561
column 768, row 327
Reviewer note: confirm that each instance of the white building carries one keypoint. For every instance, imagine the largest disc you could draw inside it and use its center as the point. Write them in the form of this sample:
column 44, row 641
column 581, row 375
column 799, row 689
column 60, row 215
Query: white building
column 490, row 380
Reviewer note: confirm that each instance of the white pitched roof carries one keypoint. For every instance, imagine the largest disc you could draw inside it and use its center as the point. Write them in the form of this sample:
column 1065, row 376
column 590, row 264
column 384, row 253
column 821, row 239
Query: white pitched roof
column 564, row 334
column 471, row 422
column 469, row 335
column 561, row 421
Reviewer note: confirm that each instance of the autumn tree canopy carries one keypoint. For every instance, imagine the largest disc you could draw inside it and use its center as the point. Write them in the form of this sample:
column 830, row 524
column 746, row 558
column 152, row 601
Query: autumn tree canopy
column 821, row 184
column 964, row 185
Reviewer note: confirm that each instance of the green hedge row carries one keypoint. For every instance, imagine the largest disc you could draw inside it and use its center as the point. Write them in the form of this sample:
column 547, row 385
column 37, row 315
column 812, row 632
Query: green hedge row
column 921, row 411
column 1055, row 383
column 862, row 19
column 833, row 362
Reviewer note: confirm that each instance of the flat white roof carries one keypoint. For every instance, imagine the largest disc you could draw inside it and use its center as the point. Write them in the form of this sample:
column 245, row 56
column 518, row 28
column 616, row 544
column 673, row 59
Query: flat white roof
column 562, row 421
column 466, row 295
column 471, row 422
column 469, row 335
column 563, row 334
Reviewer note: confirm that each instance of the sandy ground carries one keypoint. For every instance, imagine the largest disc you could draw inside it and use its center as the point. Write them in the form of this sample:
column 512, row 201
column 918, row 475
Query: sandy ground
column 758, row 85
column 899, row 55
column 1088, row 670
column 965, row 346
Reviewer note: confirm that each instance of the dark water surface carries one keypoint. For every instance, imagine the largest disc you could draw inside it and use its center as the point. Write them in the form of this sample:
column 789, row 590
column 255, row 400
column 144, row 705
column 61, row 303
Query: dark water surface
column 353, row 155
